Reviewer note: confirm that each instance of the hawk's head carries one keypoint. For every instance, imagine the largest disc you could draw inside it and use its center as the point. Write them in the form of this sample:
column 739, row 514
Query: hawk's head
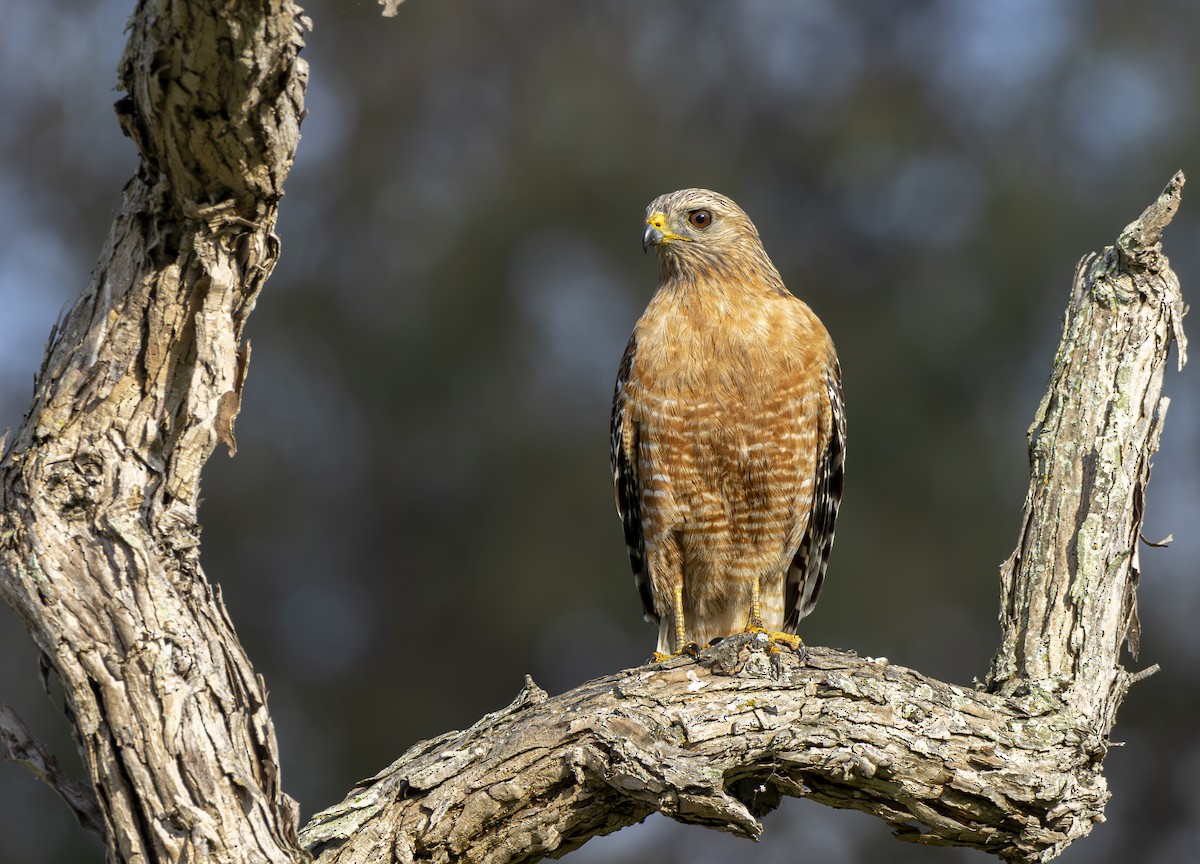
column 696, row 230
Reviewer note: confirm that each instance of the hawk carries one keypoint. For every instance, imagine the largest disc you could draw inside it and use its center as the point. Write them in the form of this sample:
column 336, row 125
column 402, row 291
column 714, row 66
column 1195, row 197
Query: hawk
column 728, row 433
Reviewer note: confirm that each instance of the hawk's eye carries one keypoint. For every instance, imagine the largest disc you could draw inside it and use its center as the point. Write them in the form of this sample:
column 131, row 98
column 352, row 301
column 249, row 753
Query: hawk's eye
column 700, row 218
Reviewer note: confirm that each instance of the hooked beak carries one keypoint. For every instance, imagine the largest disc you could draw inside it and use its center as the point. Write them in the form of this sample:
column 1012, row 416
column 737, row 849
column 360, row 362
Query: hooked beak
column 651, row 237
column 656, row 233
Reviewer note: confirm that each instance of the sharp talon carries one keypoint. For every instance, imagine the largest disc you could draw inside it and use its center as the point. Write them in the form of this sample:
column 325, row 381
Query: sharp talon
column 691, row 649
column 789, row 639
column 775, row 638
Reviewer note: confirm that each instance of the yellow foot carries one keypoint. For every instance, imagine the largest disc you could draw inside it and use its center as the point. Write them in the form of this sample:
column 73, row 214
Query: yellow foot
column 691, row 649
column 776, row 638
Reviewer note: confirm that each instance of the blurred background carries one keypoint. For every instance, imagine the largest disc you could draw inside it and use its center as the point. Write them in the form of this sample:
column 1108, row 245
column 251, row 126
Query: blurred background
column 421, row 511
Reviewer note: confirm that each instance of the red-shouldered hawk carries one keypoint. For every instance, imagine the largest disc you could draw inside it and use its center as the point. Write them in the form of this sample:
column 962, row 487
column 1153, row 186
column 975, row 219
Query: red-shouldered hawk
column 728, row 432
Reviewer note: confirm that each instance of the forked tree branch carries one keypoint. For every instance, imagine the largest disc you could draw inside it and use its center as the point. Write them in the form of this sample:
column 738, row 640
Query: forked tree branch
column 1014, row 769
column 99, row 558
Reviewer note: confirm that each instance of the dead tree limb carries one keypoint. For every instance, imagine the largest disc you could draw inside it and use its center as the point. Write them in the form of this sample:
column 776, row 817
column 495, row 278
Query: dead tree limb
column 99, row 558
column 1014, row 769
column 99, row 544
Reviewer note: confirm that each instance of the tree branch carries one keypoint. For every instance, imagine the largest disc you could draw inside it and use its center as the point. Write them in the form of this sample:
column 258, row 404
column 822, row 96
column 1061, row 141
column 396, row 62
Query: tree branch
column 99, row 545
column 1014, row 769
column 716, row 742
column 1068, row 591
column 20, row 746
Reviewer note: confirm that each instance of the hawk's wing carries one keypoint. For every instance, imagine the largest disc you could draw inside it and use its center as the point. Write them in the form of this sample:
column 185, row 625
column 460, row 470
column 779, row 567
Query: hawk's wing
column 807, row 572
column 623, row 447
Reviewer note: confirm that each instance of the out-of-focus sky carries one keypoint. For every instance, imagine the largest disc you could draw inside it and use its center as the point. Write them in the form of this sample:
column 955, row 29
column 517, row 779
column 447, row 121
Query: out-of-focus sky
column 420, row 511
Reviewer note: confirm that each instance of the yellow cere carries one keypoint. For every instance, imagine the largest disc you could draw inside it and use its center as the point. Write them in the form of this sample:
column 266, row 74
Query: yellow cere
column 658, row 221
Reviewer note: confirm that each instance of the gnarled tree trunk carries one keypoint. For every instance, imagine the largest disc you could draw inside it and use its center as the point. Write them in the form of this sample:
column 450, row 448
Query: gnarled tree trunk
column 99, row 544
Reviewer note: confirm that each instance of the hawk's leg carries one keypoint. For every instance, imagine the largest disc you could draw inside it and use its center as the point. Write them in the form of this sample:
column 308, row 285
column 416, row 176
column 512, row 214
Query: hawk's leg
column 755, row 624
column 682, row 645
column 677, row 611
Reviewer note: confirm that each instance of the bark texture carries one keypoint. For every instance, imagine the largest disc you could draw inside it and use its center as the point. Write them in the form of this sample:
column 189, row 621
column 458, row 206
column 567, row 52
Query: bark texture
column 99, row 543
column 717, row 741
column 1014, row 768
column 141, row 382
column 1068, row 591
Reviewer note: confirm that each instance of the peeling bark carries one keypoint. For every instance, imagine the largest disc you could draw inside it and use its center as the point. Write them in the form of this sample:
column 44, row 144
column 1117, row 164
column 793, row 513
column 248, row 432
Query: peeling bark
column 717, row 741
column 99, row 543
column 99, row 549
column 1068, row 591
